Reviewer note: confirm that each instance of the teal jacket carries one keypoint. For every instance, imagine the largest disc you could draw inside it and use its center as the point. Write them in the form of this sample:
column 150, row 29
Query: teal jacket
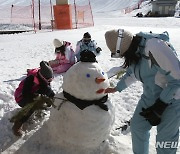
column 159, row 72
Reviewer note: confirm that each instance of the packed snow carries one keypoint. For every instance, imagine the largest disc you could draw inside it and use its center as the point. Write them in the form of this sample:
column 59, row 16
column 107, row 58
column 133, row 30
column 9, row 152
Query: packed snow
column 22, row 51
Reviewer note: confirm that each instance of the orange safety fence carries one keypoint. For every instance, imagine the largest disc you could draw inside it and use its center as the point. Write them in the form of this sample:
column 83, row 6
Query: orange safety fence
column 46, row 16
column 29, row 15
column 17, row 15
column 5, row 14
column 82, row 16
column 21, row 15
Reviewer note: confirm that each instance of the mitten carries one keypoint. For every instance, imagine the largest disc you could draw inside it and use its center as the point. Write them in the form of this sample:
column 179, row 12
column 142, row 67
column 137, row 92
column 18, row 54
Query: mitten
column 49, row 92
column 98, row 49
column 153, row 113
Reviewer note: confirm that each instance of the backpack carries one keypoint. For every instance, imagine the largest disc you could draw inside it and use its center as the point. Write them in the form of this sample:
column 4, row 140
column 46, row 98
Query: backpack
column 18, row 91
column 148, row 35
column 32, row 71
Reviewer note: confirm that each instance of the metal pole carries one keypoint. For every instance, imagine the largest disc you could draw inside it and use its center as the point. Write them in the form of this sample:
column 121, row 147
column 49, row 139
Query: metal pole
column 75, row 13
column 52, row 20
column 91, row 13
column 11, row 12
column 39, row 15
column 34, row 25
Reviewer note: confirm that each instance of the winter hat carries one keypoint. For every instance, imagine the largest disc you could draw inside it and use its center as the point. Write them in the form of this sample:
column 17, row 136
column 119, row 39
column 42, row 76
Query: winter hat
column 112, row 37
column 87, row 56
column 87, row 36
column 57, row 43
column 45, row 70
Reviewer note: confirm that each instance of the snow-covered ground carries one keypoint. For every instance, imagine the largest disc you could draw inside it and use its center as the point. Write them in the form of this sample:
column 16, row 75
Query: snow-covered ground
column 21, row 51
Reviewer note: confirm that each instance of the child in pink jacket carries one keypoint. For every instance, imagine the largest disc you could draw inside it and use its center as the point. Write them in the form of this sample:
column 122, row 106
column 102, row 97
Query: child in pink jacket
column 65, row 56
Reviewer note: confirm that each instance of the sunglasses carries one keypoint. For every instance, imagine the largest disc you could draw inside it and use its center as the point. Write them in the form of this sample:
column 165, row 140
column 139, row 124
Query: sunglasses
column 86, row 39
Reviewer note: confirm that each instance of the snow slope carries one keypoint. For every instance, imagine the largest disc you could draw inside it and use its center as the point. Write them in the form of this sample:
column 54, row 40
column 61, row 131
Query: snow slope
column 97, row 6
column 26, row 50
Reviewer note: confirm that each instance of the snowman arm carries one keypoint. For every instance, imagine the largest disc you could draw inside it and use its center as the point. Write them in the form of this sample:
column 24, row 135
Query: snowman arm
column 126, row 81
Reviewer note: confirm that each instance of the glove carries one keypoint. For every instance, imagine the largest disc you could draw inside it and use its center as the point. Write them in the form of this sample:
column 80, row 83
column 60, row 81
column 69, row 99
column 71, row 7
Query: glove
column 48, row 92
column 154, row 112
column 98, row 49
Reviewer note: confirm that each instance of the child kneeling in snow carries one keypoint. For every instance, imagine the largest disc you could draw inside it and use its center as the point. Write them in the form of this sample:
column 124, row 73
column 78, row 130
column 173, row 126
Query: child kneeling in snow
column 37, row 82
column 65, row 56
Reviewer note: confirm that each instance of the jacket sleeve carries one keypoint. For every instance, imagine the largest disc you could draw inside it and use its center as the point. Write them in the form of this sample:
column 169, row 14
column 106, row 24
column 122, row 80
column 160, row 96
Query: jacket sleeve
column 27, row 88
column 126, row 80
column 78, row 46
column 69, row 54
column 94, row 43
column 167, row 63
column 77, row 51
column 46, row 90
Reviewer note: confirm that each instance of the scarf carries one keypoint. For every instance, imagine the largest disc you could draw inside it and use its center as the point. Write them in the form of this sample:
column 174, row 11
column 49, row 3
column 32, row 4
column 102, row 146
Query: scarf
column 81, row 104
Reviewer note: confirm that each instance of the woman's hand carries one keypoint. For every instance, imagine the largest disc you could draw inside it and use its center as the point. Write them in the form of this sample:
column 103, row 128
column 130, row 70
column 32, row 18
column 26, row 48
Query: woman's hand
column 110, row 90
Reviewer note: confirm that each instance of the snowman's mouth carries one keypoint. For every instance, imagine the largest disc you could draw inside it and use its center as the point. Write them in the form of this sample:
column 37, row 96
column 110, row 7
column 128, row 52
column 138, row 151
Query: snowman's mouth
column 85, row 103
column 100, row 91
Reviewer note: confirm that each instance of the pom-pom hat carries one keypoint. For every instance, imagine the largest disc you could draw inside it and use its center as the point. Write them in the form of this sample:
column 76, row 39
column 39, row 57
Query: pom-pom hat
column 45, row 70
column 118, row 41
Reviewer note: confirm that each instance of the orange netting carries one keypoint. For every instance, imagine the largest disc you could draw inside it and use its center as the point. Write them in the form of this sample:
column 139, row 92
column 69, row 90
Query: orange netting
column 81, row 16
column 21, row 15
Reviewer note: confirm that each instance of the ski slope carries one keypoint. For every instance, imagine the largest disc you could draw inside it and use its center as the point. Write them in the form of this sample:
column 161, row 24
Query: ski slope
column 97, row 5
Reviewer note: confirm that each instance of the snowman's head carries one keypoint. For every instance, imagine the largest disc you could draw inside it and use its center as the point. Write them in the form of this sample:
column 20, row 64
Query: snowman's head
column 86, row 81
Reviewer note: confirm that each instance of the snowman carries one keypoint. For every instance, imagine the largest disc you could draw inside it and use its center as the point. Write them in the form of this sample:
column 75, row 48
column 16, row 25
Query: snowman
column 85, row 116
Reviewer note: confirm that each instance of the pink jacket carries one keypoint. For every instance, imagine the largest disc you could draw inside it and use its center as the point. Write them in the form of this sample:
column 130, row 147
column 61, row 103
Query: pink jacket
column 63, row 62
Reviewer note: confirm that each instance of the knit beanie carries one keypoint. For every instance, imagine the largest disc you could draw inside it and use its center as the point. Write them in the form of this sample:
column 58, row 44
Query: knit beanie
column 45, row 70
column 87, row 35
column 57, row 43
column 112, row 37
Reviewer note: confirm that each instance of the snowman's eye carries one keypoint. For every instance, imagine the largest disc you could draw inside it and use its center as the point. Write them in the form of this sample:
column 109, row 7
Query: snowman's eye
column 102, row 73
column 88, row 75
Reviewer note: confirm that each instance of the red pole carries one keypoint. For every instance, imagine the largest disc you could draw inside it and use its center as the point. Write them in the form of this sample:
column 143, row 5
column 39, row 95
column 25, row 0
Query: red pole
column 91, row 12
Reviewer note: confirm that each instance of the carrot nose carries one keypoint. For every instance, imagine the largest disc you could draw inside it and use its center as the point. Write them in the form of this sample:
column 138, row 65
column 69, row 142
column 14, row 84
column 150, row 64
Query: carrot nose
column 99, row 80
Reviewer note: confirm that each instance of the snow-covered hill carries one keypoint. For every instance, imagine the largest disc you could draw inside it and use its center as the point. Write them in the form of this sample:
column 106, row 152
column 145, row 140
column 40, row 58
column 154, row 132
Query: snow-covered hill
column 97, row 6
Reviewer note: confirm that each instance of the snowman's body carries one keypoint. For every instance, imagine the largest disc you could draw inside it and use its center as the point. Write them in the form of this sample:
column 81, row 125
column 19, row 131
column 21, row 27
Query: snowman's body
column 87, row 128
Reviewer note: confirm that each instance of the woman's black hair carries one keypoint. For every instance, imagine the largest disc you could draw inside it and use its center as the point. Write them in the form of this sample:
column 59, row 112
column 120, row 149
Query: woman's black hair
column 60, row 50
column 130, row 55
